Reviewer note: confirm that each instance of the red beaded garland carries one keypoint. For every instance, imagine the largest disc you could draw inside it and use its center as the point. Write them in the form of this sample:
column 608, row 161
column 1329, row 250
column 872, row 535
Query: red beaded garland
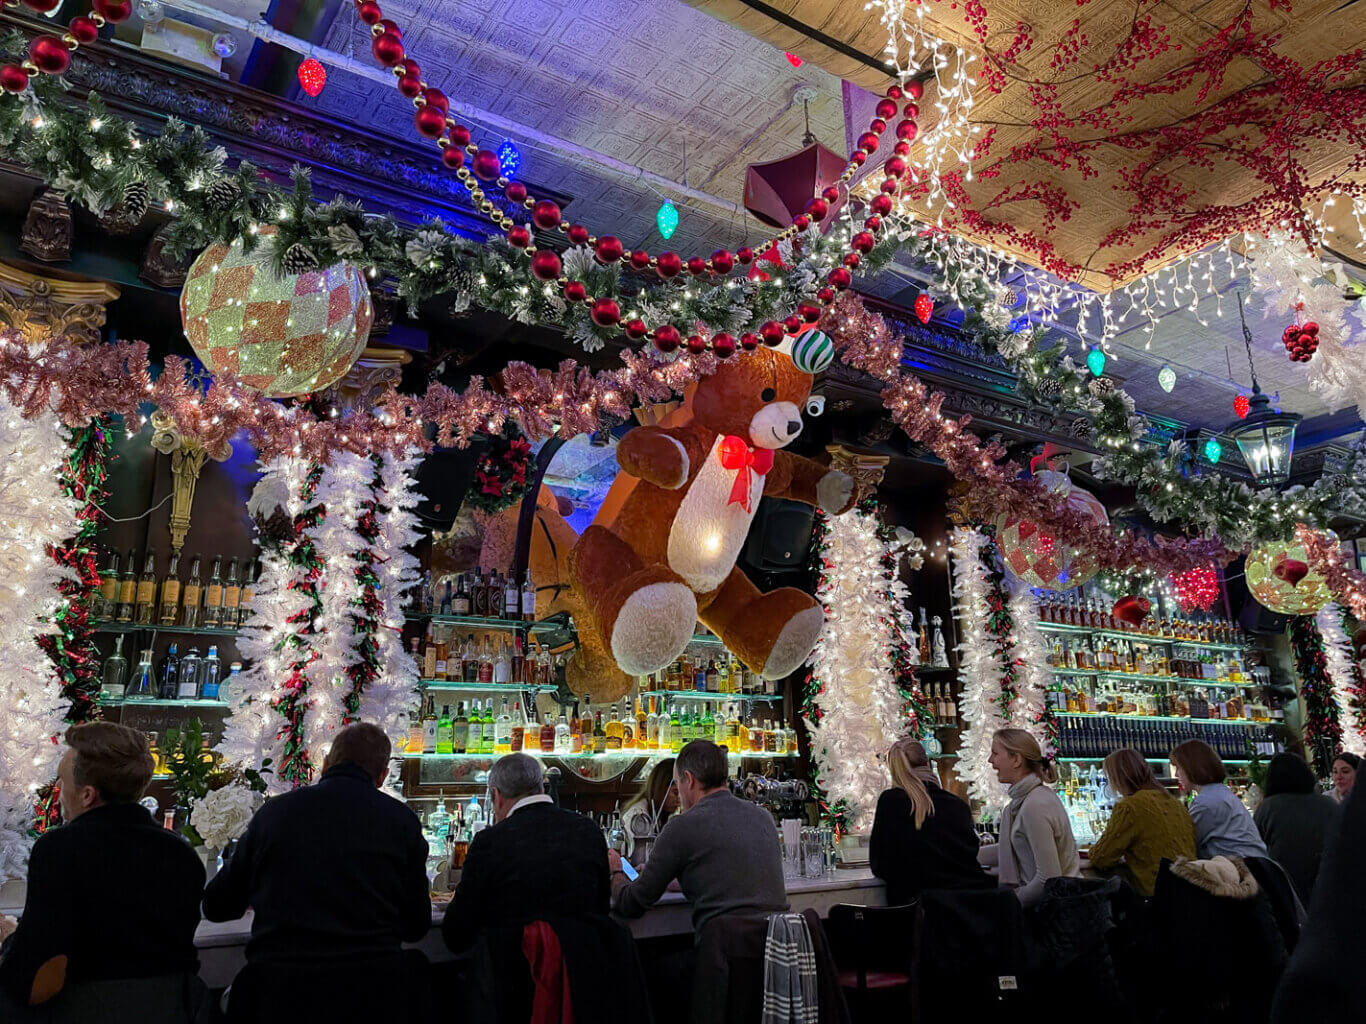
column 792, row 324
column 851, row 260
column 609, row 249
column 519, row 236
column 808, row 311
column 430, row 121
column 863, row 241
column 575, row 291
column 485, row 165
column 437, row 98
column 840, row 277
column 13, row 78
column 890, row 186
column 605, row 312
column 894, row 92
column 749, row 341
column 388, row 49
column 389, row 25
column 826, row 295
column 895, row 165
column 636, row 329
column 368, row 11
column 460, row 135
column 915, row 89
column 744, row 254
column 545, row 214
column 666, row 338
column 868, row 142
column 577, row 234
column 640, row 260
column 696, row 344
column 83, row 29
column 515, row 192
column 722, row 261
column 697, row 266
column 830, row 194
column 113, row 10
column 452, row 156
column 881, row 205
column 771, row 333
column 877, row 126
column 907, row 130
column 911, row 110
column 857, row 158
column 723, row 345
column 669, row 264
column 410, row 86
column 816, row 209
column 43, row 6
column 49, row 54
column 545, row 265
column 886, row 108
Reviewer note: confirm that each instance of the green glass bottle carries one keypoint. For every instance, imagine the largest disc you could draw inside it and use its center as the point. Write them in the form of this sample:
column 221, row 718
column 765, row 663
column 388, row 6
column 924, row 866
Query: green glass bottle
column 445, row 732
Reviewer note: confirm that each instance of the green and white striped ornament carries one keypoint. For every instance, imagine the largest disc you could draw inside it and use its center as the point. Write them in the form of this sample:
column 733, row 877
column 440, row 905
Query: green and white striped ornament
column 812, row 351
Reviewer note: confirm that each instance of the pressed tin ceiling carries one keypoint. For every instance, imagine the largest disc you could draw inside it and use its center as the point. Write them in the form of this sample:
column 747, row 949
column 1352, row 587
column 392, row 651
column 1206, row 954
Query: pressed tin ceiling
column 1078, row 180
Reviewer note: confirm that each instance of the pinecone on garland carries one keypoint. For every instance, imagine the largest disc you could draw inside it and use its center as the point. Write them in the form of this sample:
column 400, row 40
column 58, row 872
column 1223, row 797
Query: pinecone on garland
column 136, row 198
column 1080, row 428
column 1048, row 387
column 299, row 259
column 223, row 194
column 1101, row 386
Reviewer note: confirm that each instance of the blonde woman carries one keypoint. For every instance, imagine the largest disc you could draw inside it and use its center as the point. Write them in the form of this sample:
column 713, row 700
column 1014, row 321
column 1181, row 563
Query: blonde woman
column 1036, row 837
column 922, row 834
column 1147, row 826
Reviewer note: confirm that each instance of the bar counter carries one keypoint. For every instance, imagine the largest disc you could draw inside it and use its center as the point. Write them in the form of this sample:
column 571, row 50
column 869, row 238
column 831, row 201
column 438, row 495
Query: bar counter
column 222, row 947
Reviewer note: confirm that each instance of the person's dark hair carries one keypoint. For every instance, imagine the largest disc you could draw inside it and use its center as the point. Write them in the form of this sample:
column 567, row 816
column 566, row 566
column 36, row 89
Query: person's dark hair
column 706, row 761
column 656, row 788
column 1287, row 773
column 1351, row 760
column 363, row 744
column 1200, row 763
column 113, row 758
column 1128, row 772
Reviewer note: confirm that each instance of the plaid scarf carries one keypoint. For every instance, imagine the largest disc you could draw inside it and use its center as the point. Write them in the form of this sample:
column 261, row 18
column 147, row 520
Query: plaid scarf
column 789, row 972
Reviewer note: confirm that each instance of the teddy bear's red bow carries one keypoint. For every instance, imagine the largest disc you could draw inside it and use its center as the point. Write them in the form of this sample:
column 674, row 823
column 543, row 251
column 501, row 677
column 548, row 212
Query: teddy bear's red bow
column 736, row 454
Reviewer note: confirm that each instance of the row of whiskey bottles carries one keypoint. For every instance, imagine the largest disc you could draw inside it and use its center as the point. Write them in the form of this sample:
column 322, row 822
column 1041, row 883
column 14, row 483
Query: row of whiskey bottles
column 442, row 655
column 490, row 595
column 1098, row 736
column 1072, row 610
column 220, row 603
column 650, row 727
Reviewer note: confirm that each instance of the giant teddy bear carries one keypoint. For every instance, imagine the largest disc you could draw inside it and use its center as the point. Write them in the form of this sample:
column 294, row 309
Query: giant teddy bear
column 661, row 553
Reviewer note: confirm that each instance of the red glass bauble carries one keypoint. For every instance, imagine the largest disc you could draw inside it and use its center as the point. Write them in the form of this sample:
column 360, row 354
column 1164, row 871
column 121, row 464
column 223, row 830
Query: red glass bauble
column 83, row 29
column 388, row 49
column 460, row 135
column 697, row 266
column 669, row 264
column 640, row 260
column 924, row 308
column 636, row 329
column 486, row 165
column 408, row 66
column 13, row 78
column 575, row 291
column 744, row 254
column 723, row 345
column 801, row 222
column 666, row 338
column 868, row 142
column 873, row 223
column 452, row 156
column 1310, row 327
column 816, row 209
column 857, row 157
column 410, row 86
column 771, row 333
column 792, row 324
column 907, row 130
column 519, row 236
column 545, row 214
column 902, row 148
column 609, row 249
column 749, row 341
column 915, row 89
column 605, row 312
column 911, row 111
column 826, row 295
column 696, row 344
column 894, row 92
column 577, row 234
column 515, row 192
column 881, row 205
column 840, row 277
column 545, row 265
column 49, row 54
column 43, row 6
column 863, row 241
column 877, row 126
column 895, row 165
column 885, row 108
column 113, row 10
column 890, row 186
column 430, row 121
column 437, row 98
column 390, row 25
column 830, row 194
column 722, row 261
column 852, row 260
column 369, row 12
column 808, row 311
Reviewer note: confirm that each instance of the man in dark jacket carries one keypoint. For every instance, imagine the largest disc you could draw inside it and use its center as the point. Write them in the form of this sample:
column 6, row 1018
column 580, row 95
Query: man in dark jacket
column 140, row 924
column 536, row 862
column 335, row 872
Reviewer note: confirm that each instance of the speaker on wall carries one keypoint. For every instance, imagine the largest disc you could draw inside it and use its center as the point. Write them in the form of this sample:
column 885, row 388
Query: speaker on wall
column 443, row 477
column 780, row 537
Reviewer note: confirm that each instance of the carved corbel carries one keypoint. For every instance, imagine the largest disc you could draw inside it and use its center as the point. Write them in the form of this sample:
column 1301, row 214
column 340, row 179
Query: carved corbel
column 866, row 468
column 187, row 460
column 39, row 309
column 377, row 370
column 47, row 229
column 159, row 268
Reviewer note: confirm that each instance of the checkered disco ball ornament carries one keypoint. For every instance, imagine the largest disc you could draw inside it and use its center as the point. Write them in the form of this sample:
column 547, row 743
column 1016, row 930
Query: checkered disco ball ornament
column 1280, row 578
column 1039, row 557
column 283, row 334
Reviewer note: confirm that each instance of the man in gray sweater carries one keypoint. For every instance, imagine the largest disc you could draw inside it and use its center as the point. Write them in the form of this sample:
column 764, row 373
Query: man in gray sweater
column 723, row 850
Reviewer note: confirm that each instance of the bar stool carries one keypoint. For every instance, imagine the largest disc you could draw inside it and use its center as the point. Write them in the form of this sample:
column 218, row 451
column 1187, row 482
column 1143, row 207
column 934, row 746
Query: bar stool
column 878, row 953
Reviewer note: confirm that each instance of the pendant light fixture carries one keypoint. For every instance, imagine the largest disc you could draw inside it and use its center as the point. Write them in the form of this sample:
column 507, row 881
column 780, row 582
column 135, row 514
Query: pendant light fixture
column 1266, row 438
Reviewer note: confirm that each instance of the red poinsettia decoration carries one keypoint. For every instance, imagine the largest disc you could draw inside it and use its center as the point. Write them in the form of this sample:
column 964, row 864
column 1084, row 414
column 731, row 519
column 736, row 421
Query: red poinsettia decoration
column 500, row 476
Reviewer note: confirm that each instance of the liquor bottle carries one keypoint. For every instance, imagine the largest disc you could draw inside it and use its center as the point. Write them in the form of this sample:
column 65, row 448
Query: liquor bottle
column 651, row 733
column 733, row 737
column 213, row 595
column 248, row 597
column 548, row 731
column 771, row 738
column 231, row 688
column 170, row 593
column 232, row 598
column 599, row 734
column 575, row 731
column 212, row 671
column 562, row 741
column 447, row 598
column 512, row 599
column 128, row 591
column 528, row 598
column 479, row 594
column 445, row 732
column 489, row 732
column 168, row 674
column 429, row 652
column 613, row 731
column 426, row 593
column 713, row 677
column 144, row 685
column 706, row 724
column 521, row 672
column 531, row 734
column 502, row 664
column 486, row 659
column 699, row 678
column 923, row 648
column 469, row 660
column 154, row 748
column 191, row 679
column 414, row 745
column 628, row 727
column 460, row 600
column 441, row 666
column 687, row 725
column 642, row 726
column 502, row 730
column 114, row 674
column 675, row 731
column 191, row 595
column 109, row 589
column 517, row 732
column 429, row 728
column 460, row 730
column 950, row 706
column 495, row 595
column 145, row 597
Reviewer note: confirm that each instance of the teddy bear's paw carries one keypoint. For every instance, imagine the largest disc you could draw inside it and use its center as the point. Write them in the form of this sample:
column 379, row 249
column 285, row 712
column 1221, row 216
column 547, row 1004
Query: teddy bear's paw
column 653, row 626
column 835, row 492
column 795, row 643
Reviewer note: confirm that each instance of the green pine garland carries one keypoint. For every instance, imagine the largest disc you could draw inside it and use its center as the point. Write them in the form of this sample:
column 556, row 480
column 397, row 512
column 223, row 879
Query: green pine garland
column 295, row 765
column 368, row 607
column 1322, row 730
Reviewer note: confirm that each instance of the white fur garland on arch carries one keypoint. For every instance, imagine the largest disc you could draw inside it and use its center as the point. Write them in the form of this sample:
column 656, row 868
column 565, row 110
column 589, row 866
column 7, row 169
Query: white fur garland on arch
column 856, row 715
column 1030, row 708
column 34, row 513
column 1337, row 649
column 980, row 700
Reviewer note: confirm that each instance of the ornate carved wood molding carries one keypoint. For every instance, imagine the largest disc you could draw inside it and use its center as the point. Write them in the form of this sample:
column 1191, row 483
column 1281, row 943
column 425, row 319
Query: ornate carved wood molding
column 41, row 308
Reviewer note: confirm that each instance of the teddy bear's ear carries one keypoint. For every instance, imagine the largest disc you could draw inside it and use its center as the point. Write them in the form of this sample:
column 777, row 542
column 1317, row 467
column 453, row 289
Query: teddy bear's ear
column 811, row 351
